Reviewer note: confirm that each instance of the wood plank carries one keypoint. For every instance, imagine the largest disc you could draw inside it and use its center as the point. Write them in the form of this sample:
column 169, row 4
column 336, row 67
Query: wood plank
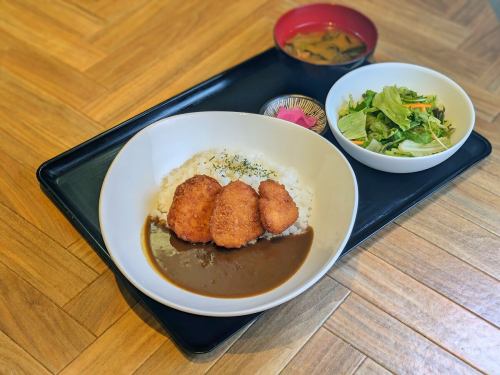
column 456, row 235
column 14, row 360
column 258, row 34
column 34, row 117
column 138, row 55
column 487, row 172
column 484, row 40
column 139, row 23
column 484, row 179
column 111, row 11
column 169, row 359
column 439, row 270
column 11, row 144
column 23, row 145
column 471, row 202
column 400, row 22
column 438, row 57
column 21, row 193
column 370, row 367
column 122, row 348
column 37, row 324
column 470, row 12
column 83, row 251
column 64, row 82
column 8, row 42
column 278, row 335
column 420, row 308
column 443, row 8
column 492, row 163
column 389, row 342
column 426, row 47
column 489, row 129
column 490, row 79
column 101, row 304
column 66, row 16
column 39, row 260
column 122, row 102
column 485, row 102
column 24, row 24
column 325, row 353
column 151, row 44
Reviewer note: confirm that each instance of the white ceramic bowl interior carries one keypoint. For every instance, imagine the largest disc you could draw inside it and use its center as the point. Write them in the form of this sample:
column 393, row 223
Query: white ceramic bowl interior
column 131, row 185
column 459, row 110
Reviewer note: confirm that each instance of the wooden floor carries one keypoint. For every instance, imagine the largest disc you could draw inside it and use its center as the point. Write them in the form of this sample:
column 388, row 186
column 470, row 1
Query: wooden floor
column 422, row 296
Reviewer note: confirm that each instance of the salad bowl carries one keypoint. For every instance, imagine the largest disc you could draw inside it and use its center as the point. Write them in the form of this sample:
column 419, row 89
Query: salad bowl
column 459, row 111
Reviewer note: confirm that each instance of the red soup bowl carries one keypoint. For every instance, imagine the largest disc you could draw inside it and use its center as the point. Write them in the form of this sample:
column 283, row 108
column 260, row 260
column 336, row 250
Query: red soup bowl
column 318, row 17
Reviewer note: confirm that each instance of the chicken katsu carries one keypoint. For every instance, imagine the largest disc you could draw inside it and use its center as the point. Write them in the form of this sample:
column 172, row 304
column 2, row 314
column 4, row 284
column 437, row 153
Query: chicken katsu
column 191, row 209
column 277, row 209
column 232, row 199
column 231, row 216
column 235, row 219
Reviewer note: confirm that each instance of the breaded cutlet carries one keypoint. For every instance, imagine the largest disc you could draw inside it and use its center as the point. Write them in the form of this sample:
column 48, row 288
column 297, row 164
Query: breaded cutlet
column 235, row 219
column 191, row 209
column 277, row 209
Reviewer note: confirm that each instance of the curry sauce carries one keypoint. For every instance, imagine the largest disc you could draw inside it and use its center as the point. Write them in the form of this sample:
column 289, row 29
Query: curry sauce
column 217, row 272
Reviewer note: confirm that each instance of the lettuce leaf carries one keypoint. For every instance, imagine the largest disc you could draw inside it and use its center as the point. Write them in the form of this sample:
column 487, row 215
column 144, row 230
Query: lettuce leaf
column 366, row 103
column 418, row 149
column 352, row 126
column 377, row 129
column 374, row 146
column 389, row 102
column 419, row 135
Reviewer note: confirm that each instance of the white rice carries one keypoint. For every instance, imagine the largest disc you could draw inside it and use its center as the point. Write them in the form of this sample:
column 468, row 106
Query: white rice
column 226, row 166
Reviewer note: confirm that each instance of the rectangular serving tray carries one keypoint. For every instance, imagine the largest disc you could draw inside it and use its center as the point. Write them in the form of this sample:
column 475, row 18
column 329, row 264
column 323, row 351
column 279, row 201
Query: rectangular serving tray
column 73, row 179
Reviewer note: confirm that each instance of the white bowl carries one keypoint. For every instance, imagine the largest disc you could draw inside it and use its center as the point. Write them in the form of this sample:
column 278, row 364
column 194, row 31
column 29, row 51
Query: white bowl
column 133, row 180
column 459, row 110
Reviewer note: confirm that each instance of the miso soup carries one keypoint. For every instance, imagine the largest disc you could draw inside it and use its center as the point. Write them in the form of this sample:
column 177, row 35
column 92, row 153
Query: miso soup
column 329, row 46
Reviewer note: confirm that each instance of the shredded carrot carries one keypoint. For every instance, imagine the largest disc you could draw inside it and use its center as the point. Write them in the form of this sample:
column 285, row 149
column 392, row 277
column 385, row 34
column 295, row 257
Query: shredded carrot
column 358, row 142
column 418, row 105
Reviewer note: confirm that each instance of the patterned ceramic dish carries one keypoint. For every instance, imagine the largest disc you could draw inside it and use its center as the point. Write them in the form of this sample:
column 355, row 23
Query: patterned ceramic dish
column 310, row 106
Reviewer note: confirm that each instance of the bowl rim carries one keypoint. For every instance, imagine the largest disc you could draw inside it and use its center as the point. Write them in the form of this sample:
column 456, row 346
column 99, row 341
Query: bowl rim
column 286, row 96
column 360, row 58
column 238, row 311
column 334, row 124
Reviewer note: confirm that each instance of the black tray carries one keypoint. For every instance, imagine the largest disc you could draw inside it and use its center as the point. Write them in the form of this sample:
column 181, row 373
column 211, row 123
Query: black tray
column 73, row 179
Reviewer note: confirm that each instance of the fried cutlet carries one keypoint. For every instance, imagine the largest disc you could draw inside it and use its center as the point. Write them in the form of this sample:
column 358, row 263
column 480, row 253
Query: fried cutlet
column 191, row 209
column 277, row 209
column 235, row 219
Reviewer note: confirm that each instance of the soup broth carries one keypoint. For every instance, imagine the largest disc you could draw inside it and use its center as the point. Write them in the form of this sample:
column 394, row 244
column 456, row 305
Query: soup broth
column 329, row 46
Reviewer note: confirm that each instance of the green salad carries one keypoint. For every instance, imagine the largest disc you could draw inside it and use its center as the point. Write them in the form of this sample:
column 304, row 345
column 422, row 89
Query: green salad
column 397, row 122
